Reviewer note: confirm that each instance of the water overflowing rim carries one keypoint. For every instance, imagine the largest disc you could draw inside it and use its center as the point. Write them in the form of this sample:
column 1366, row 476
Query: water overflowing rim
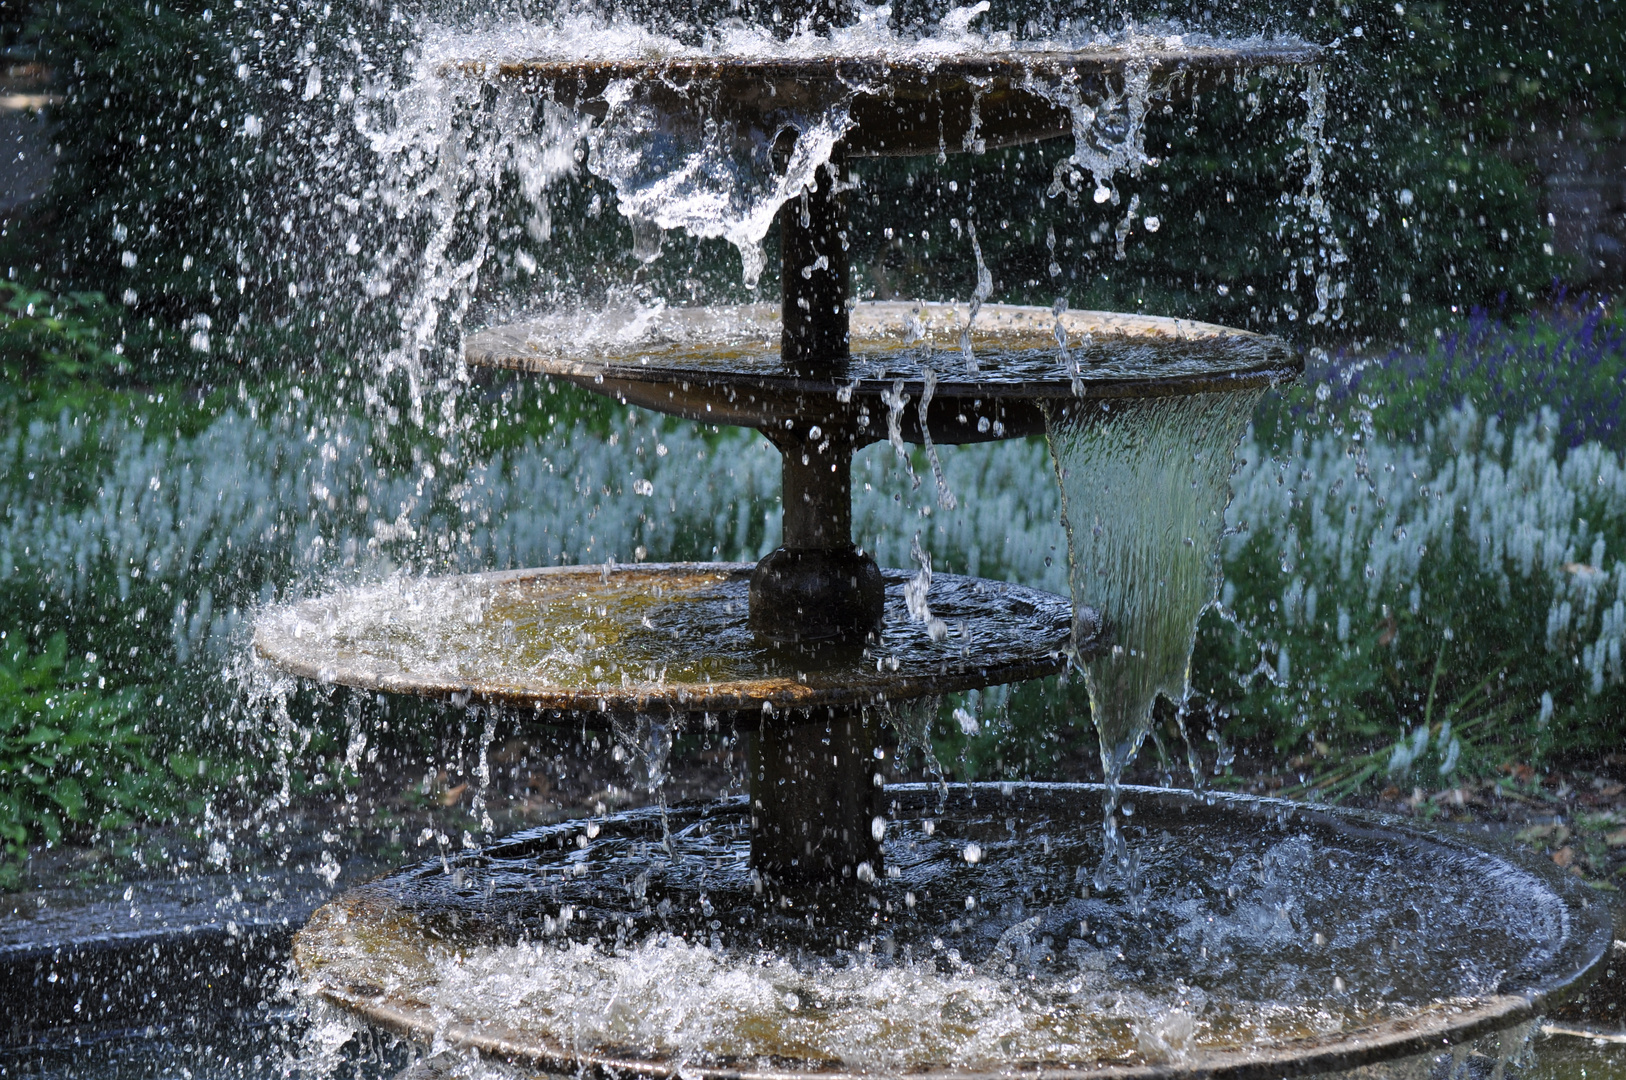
column 1568, row 970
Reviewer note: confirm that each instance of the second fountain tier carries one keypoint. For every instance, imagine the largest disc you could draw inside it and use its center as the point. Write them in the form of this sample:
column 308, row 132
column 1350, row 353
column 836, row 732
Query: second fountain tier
column 661, row 648
column 908, row 373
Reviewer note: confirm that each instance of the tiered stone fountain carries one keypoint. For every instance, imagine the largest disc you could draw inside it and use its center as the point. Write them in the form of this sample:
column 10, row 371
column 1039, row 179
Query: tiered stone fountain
column 815, row 646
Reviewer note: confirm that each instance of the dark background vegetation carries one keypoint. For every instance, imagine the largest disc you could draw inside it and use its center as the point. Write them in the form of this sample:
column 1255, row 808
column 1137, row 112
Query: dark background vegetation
column 1436, row 114
column 166, row 217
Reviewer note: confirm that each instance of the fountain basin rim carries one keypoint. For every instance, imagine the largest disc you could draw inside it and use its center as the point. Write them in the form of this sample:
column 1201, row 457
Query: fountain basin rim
column 1388, row 1041
column 1566, row 973
column 746, row 701
column 855, row 67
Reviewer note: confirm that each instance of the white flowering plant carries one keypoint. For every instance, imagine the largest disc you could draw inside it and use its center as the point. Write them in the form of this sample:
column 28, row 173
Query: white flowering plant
column 1407, row 609
column 1398, row 606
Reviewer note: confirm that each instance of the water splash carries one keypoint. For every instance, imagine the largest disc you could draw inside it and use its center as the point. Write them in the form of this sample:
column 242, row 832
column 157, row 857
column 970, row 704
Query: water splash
column 979, row 296
column 1121, row 232
column 914, row 593
column 1071, row 361
column 643, row 743
column 1109, row 136
column 945, row 497
column 446, row 151
column 1329, row 246
column 895, row 399
column 689, row 169
column 912, row 722
column 1144, row 490
column 976, row 949
column 482, row 771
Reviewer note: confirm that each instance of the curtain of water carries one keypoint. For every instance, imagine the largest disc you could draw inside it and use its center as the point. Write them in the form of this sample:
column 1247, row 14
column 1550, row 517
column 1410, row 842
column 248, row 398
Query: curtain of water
column 1144, row 490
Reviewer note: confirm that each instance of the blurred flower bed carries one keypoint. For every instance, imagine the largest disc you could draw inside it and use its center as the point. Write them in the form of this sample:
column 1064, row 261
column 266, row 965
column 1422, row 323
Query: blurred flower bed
column 1425, row 590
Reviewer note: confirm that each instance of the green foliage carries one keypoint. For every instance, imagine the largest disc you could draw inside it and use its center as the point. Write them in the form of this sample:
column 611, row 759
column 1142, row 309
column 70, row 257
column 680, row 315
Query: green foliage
column 1032, row 730
column 55, row 336
column 146, row 202
column 72, row 756
column 1570, row 359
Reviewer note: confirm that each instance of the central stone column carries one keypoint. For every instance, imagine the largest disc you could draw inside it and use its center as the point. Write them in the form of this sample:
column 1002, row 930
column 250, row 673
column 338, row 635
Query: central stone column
column 817, row 589
column 814, row 276
column 815, row 797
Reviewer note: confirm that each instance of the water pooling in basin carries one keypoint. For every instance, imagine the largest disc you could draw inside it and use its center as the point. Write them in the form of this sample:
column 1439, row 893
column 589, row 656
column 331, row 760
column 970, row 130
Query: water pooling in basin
column 985, row 947
column 1144, row 490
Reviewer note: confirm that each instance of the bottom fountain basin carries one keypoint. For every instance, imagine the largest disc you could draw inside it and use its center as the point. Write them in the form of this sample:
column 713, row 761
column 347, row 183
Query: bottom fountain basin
column 1266, row 939
column 654, row 638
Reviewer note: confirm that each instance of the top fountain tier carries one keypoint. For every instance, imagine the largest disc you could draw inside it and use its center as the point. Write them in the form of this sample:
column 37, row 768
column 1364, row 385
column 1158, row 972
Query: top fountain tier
column 906, row 101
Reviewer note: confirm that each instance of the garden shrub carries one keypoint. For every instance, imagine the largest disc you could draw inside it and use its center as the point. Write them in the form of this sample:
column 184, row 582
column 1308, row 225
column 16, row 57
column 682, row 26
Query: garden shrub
column 72, row 756
column 56, row 337
column 1568, row 357
column 1457, row 601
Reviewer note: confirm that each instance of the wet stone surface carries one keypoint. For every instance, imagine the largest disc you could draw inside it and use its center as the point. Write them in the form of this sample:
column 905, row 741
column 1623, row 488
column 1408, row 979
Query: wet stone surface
column 667, row 639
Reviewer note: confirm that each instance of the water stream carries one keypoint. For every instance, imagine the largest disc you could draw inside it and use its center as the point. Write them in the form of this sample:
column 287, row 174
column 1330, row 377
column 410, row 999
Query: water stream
column 1144, row 490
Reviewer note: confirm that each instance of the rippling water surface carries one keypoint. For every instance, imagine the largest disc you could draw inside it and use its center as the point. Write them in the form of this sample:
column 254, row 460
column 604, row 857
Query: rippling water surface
column 982, row 945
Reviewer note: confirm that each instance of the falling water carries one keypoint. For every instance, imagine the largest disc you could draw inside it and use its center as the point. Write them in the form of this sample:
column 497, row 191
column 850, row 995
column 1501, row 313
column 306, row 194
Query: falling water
column 945, row 496
column 979, row 296
column 643, row 743
column 895, row 399
column 916, row 591
column 1144, row 490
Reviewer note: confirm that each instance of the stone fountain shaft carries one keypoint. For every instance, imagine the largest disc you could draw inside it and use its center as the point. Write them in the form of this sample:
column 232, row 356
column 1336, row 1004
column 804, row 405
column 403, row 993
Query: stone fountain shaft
column 816, row 796
column 814, row 790
column 817, row 588
column 815, row 276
